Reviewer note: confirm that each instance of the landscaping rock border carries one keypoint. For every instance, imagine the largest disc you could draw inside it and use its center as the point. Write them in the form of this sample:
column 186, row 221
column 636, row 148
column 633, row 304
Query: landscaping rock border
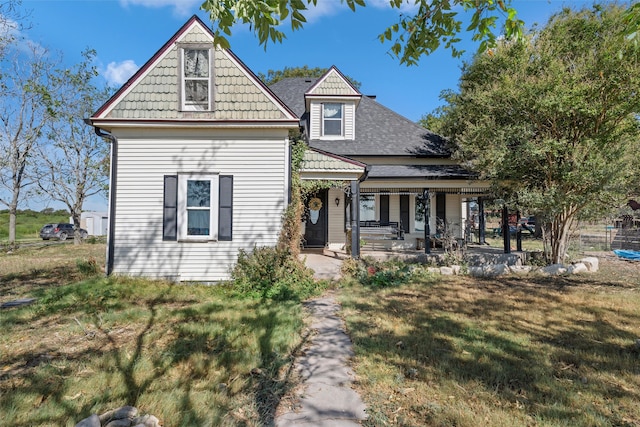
column 125, row 416
column 585, row 265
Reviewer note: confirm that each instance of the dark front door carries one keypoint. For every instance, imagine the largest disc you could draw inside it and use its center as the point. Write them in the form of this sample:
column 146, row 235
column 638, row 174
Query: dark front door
column 315, row 235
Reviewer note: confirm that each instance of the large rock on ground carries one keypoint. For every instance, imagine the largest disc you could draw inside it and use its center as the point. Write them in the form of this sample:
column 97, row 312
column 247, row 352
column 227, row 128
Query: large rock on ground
column 124, row 412
column 577, row 268
column 591, row 263
column 92, row 421
column 490, row 270
column 554, row 270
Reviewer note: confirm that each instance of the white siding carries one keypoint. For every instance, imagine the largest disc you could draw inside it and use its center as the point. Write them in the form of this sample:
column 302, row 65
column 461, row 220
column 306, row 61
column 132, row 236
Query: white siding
column 259, row 169
column 454, row 214
column 394, row 208
column 336, row 218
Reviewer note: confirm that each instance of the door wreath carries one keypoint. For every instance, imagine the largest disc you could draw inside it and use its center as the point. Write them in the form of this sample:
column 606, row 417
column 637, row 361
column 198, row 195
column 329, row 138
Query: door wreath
column 315, row 204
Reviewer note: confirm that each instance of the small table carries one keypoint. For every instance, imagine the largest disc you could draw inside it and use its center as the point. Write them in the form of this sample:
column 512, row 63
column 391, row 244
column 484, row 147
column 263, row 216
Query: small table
column 419, row 243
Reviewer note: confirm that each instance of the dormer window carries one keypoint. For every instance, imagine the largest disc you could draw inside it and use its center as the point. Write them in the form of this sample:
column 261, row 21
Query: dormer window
column 196, row 79
column 332, row 119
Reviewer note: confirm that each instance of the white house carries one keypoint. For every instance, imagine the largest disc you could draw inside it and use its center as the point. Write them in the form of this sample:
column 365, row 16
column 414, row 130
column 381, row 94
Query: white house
column 410, row 172
column 200, row 164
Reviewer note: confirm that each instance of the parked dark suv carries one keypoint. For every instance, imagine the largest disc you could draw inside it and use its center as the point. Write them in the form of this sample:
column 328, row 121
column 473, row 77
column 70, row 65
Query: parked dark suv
column 60, row 231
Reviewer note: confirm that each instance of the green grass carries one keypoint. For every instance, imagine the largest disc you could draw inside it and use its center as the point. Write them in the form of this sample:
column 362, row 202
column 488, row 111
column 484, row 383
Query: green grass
column 505, row 352
column 184, row 353
column 29, row 223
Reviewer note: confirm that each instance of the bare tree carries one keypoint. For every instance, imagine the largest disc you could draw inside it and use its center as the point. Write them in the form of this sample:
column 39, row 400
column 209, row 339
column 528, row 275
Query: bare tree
column 70, row 166
column 12, row 21
column 26, row 107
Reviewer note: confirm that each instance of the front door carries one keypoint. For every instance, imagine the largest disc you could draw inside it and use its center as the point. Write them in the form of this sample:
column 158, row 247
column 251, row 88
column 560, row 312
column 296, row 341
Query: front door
column 315, row 235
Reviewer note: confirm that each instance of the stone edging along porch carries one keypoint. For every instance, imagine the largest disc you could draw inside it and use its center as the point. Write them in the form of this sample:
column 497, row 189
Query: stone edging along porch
column 479, row 262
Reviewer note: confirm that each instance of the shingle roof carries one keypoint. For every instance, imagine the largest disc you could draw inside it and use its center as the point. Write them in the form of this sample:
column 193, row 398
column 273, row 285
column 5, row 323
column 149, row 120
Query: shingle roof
column 379, row 130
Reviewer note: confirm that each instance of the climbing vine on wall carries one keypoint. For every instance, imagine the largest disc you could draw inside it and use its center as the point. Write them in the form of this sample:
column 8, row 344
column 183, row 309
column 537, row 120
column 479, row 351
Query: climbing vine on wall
column 301, row 191
column 290, row 234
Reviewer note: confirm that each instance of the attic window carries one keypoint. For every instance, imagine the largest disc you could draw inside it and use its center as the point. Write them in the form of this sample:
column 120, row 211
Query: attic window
column 196, row 79
column 332, row 119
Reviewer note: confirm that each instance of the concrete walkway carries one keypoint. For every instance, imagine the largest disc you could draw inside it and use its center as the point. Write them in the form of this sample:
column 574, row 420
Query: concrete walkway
column 324, row 267
column 326, row 398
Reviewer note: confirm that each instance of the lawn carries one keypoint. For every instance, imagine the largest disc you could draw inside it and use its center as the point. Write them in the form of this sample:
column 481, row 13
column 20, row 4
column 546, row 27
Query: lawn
column 512, row 351
column 190, row 355
column 436, row 351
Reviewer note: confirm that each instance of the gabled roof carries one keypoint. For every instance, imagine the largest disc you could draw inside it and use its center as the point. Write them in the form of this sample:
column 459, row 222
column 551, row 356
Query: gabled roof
column 379, row 130
column 151, row 94
column 320, row 165
column 333, row 82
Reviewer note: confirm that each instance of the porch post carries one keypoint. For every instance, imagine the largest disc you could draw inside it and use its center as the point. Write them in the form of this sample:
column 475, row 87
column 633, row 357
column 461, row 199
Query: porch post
column 355, row 219
column 482, row 223
column 506, row 233
column 518, row 233
column 427, row 214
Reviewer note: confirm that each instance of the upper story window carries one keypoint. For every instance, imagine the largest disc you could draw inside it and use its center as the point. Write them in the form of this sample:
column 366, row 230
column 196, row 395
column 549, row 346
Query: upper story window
column 196, row 79
column 332, row 119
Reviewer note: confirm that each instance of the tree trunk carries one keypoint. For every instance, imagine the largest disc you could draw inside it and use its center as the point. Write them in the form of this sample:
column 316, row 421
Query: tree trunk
column 12, row 226
column 13, row 211
column 556, row 235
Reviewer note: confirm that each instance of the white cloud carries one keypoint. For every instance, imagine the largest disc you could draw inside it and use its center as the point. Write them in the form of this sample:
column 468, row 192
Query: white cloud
column 8, row 28
column 180, row 7
column 10, row 34
column 405, row 7
column 117, row 74
column 323, row 8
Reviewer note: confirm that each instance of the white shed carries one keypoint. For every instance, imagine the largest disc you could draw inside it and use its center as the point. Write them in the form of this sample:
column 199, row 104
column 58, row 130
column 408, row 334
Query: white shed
column 96, row 223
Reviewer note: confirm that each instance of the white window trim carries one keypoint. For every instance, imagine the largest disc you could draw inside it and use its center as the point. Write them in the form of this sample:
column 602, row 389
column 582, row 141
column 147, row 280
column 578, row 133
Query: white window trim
column 183, row 104
column 213, row 206
column 342, row 121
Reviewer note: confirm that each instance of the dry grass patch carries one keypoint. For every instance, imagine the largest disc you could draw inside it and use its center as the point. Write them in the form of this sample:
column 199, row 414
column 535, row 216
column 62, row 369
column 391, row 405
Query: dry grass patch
column 190, row 355
column 42, row 265
column 512, row 351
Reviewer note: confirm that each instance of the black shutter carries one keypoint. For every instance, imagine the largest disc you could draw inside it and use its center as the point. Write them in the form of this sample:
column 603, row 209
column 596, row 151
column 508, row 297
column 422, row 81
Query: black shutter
column 170, row 205
column 225, row 208
column 384, row 209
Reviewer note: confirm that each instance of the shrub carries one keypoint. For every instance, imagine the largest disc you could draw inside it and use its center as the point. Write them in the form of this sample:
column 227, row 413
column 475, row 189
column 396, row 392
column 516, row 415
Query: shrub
column 272, row 273
column 379, row 274
column 88, row 267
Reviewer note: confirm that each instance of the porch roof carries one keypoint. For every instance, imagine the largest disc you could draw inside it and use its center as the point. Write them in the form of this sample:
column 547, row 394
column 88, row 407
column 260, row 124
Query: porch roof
column 426, row 172
column 318, row 164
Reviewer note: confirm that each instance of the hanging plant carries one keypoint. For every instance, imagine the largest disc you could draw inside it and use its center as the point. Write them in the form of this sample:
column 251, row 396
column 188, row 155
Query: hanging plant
column 315, row 204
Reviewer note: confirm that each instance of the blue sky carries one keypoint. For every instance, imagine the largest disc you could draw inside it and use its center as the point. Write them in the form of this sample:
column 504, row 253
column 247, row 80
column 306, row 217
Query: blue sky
column 126, row 33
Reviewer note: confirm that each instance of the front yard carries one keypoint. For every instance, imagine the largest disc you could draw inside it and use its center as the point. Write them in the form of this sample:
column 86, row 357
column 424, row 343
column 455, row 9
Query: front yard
column 513, row 351
column 437, row 351
column 189, row 355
